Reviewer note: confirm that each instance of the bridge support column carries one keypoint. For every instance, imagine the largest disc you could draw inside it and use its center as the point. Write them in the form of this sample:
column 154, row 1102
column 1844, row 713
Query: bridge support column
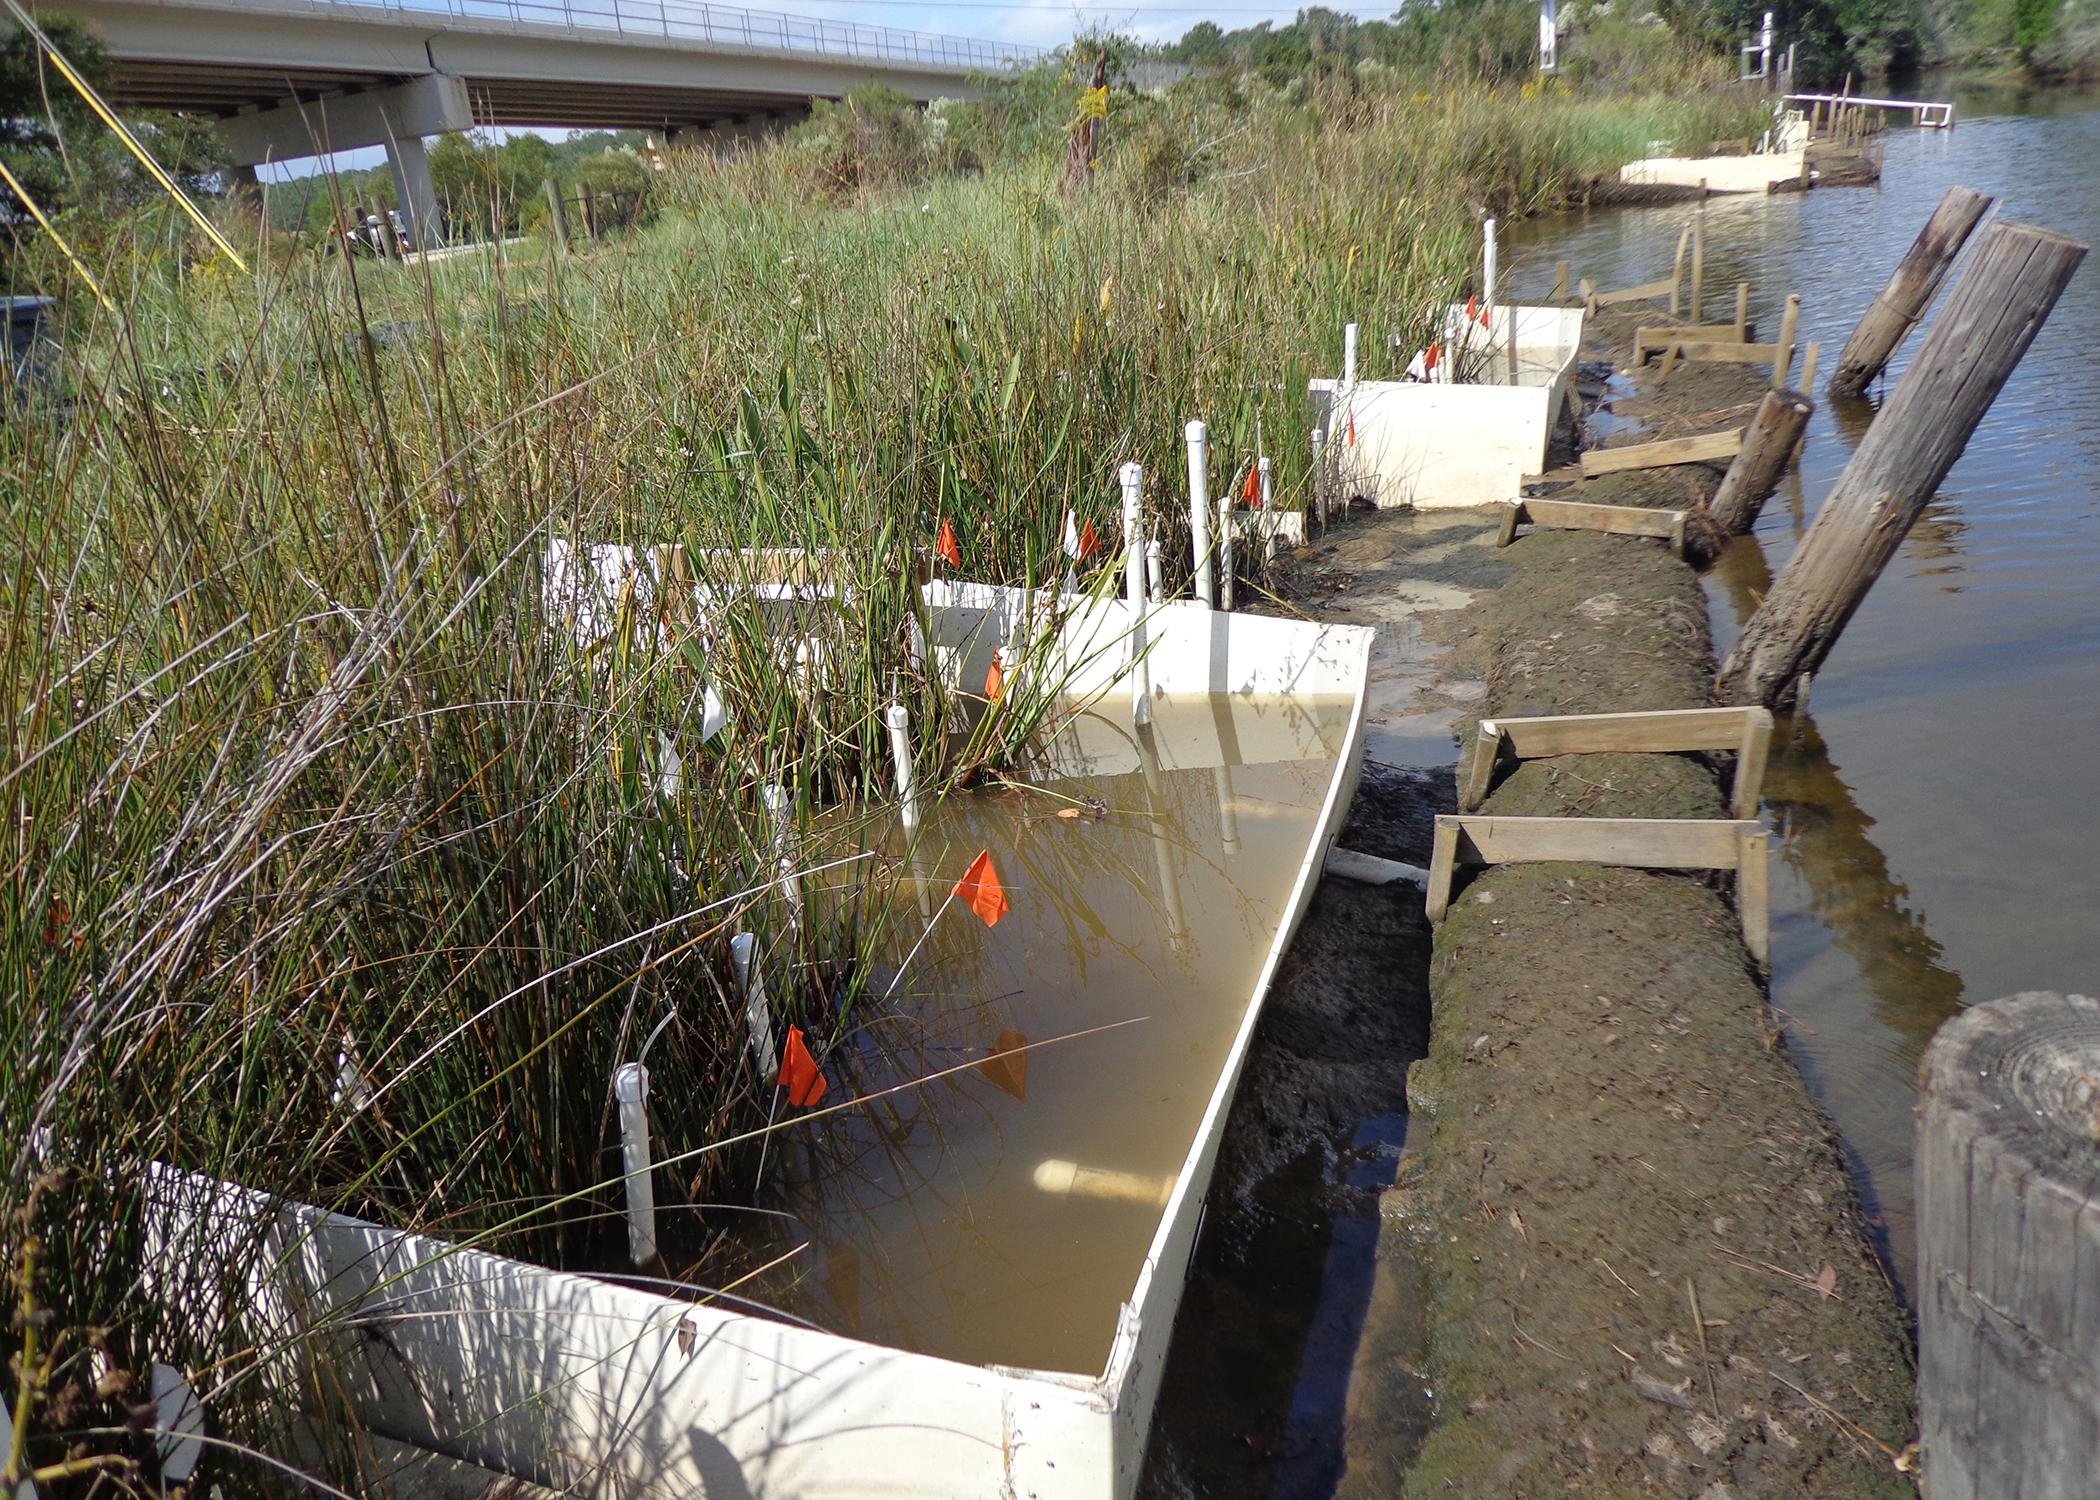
column 396, row 117
column 414, row 190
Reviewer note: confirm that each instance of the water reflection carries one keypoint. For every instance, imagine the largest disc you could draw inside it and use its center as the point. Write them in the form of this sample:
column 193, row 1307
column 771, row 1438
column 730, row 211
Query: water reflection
column 1000, row 1214
column 1952, row 857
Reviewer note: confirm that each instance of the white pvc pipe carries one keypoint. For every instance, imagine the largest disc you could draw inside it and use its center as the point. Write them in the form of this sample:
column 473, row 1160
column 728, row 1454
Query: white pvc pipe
column 631, row 1088
column 1162, row 846
column 1268, row 497
column 751, row 984
column 781, row 806
column 1225, row 578
column 898, row 718
column 1349, row 354
column 1068, row 1179
column 1371, row 869
column 1488, row 264
column 1228, row 815
column 1133, row 477
column 1199, row 511
column 1319, row 469
column 1155, row 580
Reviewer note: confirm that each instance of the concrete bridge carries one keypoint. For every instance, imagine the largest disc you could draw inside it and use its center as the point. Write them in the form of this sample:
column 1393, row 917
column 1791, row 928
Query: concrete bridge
column 294, row 78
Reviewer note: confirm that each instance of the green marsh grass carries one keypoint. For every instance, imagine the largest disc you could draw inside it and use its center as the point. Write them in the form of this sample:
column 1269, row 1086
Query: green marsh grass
column 297, row 776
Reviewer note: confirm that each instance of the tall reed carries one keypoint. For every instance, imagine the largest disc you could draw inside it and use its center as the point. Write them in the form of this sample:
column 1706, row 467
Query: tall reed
column 338, row 868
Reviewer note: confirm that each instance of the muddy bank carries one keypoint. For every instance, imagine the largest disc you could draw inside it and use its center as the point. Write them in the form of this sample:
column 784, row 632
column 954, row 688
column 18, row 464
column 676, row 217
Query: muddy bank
column 1636, row 1262
column 1287, row 1269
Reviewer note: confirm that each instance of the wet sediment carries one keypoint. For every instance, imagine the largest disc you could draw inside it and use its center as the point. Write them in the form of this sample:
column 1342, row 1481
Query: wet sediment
column 1639, row 1264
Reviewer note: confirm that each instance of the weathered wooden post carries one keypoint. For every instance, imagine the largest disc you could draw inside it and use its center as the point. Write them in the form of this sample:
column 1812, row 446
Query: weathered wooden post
column 1897, row 307
column 2019, row 272
column 1699, row 257
column 590, row 210
column 1560, row 281
column 2008, row 1175
column 1783, row 350
column 1768, row 443
column 557, row 216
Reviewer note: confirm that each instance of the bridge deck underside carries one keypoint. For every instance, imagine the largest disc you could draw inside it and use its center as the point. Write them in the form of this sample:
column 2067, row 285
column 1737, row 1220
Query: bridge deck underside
column 221, row 89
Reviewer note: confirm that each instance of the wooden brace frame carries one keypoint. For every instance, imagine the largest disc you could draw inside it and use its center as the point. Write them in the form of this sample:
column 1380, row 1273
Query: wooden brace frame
column 1705, row 447
column 1746, row 731
column 1640, row 843
column 1583, row 515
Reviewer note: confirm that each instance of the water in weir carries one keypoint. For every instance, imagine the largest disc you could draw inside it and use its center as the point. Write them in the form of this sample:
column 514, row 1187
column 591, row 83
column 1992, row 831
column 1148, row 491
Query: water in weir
column 1000, row 1215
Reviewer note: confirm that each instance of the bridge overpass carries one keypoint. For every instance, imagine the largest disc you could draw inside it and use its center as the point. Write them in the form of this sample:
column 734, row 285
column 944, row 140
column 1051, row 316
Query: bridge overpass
column 293, row 78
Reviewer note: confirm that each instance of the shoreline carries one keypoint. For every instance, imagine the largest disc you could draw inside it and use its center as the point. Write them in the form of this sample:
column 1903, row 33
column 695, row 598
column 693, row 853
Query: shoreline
column 1614, row 1129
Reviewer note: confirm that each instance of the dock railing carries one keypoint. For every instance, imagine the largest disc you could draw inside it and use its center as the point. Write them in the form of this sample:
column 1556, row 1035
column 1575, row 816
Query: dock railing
column 1936, row 113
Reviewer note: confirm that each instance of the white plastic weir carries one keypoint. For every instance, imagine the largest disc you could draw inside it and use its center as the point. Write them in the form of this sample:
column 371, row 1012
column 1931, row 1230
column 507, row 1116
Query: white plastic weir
column 583, row 1384
column 1469, row 435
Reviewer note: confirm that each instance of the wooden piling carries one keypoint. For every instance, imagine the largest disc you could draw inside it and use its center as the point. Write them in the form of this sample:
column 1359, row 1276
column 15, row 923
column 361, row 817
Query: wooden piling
column 1684, row 238
column 2008, row 1172
column 1742, row 310
column 557, row 216
column 1783, row 349
column 1898, row 306
column 2019, row 272
column 1560, row 281
column 1699, row 257
column 1768, row 444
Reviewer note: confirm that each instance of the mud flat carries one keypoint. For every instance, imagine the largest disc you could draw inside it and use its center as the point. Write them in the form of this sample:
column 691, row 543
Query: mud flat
column 1638, row 1265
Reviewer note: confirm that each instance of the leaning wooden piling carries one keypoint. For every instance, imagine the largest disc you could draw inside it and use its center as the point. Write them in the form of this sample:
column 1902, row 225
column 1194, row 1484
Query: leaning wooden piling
column 1898, row 306
column 557, row 216
column 1783, row 357
column 1768, row 444
column 2008, row 1173
column 2019, row 272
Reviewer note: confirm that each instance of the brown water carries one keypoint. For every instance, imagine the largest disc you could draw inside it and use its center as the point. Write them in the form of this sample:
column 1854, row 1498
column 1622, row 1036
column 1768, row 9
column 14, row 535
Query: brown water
column 1940, row 830
column 930, row 1221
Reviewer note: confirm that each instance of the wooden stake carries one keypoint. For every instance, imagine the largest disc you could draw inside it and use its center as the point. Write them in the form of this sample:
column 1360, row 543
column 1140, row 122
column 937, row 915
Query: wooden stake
column 1699, row 257
column 1742, row 311
column 1808, row 365
column 1560, row 281
column 2019, row 272
column 1897, row 308
column 1783, row 355
column 1684, row 238
column 1768, row 443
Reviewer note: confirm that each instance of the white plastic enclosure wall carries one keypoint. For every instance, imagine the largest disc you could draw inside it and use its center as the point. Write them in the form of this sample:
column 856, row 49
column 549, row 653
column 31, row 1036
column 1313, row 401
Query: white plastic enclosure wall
column 1435, row 446
column 573, row 1382
column 1757, row 173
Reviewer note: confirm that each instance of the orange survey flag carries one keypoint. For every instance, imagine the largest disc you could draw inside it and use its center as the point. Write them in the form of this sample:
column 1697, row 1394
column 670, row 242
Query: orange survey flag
column 994, row 680
column 1472, row 308
column 1251, row 490
column 950, row 553
column 980, row 887
column 1008, row 1065
column 799, row 1074
column 1352, row 422
column 1430, row 356
column 1089, row 544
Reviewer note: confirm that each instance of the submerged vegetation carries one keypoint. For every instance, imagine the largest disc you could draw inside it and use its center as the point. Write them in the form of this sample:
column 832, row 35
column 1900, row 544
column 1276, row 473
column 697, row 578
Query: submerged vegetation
column 341, row 865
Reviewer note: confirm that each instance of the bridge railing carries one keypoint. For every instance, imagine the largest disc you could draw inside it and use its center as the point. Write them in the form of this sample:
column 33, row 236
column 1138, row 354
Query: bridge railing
column 718, row 25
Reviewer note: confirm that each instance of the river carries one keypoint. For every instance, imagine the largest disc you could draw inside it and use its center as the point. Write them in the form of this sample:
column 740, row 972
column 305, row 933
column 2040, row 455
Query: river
column 1938, row 831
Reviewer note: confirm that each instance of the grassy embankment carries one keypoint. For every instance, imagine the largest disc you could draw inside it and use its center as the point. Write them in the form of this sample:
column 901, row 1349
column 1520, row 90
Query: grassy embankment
column 295, row 773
